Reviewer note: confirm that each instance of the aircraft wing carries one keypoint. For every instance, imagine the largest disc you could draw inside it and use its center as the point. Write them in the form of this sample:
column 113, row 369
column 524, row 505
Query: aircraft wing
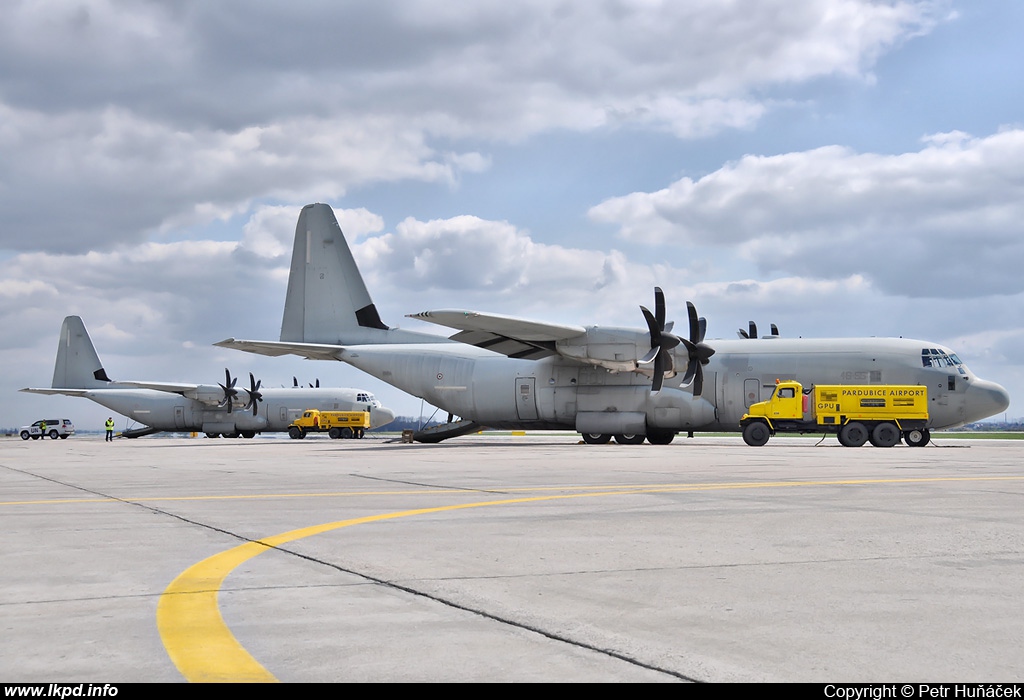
column 271, row 348
column 514, row 337
column 169, row 387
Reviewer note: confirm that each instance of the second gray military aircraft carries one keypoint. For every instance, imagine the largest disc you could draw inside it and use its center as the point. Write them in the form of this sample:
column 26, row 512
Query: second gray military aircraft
column 215, row 409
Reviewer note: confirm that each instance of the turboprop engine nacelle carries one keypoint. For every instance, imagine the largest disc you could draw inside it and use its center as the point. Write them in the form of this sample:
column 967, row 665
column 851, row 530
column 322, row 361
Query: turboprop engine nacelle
column 207, row 393
column 615, row 349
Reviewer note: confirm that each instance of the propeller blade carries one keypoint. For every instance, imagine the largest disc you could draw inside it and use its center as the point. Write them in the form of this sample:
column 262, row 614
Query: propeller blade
column 649, row 357
column 659, row 372
column 659, row 308
column 699, row 352
column 229, row 390
column 255, row 396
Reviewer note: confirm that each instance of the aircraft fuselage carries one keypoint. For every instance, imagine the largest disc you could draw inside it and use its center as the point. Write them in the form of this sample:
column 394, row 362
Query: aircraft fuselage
column 175, row 413
column 554, row 392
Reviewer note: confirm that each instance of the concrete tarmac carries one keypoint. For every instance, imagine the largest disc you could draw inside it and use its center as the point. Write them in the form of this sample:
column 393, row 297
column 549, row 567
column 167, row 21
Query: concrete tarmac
column 522, row 558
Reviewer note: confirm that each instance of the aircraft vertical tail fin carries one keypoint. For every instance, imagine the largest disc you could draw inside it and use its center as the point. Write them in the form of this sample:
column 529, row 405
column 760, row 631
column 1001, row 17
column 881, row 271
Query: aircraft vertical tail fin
column 77, row 366
column 327, row 301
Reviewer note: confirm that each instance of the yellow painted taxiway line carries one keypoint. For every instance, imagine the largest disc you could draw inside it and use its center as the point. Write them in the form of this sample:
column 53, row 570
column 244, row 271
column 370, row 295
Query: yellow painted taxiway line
column 204, row 649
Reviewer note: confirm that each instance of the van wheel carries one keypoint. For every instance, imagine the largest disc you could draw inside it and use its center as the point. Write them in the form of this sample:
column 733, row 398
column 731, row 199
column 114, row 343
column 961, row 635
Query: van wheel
column 596, row 438
column 53, row 434
column 885, row 435
column 853, row 434
column 629, row 439
column 917, row 438
column 25, row 435
column 756, row 434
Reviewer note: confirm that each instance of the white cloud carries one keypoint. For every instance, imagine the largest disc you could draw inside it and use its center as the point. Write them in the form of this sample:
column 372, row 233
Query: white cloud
column 148, row 117
column 940, row 222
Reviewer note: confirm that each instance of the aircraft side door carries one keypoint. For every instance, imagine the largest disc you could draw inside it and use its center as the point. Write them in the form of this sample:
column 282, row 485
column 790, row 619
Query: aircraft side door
column 751, row 392
column 526, row 398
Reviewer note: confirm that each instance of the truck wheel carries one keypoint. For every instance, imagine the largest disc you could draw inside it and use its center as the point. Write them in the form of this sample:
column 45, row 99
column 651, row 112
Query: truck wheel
column 853, row 434
column 629, row 439
column 756, row 434
column 346, row 433
column 334, row 433
column 660, row 437
column 917, row 438
column 591, row 438
column 885, row 435
column 25, row 435
column 295, row 433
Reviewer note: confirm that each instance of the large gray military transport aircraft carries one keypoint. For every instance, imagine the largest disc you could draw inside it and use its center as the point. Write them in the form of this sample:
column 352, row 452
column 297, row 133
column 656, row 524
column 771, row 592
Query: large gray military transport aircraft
column 215, row 409
column 627, row 383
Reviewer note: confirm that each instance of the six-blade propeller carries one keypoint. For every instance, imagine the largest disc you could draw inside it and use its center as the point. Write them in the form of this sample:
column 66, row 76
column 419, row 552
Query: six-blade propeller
column 663, row 341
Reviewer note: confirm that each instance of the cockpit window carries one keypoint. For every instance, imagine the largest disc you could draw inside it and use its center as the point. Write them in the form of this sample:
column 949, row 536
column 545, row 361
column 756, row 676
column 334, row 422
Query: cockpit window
column 933, row 357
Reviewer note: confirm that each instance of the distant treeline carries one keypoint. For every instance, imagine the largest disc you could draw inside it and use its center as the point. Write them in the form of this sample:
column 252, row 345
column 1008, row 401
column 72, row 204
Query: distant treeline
column 404, row 423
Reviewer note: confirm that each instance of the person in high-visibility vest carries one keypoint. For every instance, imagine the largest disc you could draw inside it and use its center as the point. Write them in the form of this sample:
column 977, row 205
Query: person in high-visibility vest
column 109, row 425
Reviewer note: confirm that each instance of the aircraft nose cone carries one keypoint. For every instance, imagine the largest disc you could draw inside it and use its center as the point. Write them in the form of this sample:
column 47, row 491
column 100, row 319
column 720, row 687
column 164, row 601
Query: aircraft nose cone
column 985, row 399
column 382, row 416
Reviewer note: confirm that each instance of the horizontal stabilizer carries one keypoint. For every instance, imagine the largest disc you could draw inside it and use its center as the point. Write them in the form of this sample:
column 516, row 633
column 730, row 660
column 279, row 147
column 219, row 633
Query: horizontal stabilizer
column 53, row 392
column 311, row 351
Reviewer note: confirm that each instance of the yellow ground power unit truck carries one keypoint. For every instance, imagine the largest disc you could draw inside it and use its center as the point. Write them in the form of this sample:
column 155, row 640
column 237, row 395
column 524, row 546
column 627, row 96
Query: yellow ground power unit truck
column 879, row 413
column 337, row 424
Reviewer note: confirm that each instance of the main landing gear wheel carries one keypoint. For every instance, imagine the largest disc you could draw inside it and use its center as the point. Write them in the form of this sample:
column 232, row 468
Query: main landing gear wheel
column 885, row 435
column 629, row 439
column 660, row 437
column 853, row 435
column 756, row 434
column 917, row 438
column 596, row 438
column 248, row 434
column 213, row 435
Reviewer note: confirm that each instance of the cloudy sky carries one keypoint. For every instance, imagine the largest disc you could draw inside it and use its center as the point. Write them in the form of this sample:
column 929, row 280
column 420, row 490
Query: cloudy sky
column 837, row 167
